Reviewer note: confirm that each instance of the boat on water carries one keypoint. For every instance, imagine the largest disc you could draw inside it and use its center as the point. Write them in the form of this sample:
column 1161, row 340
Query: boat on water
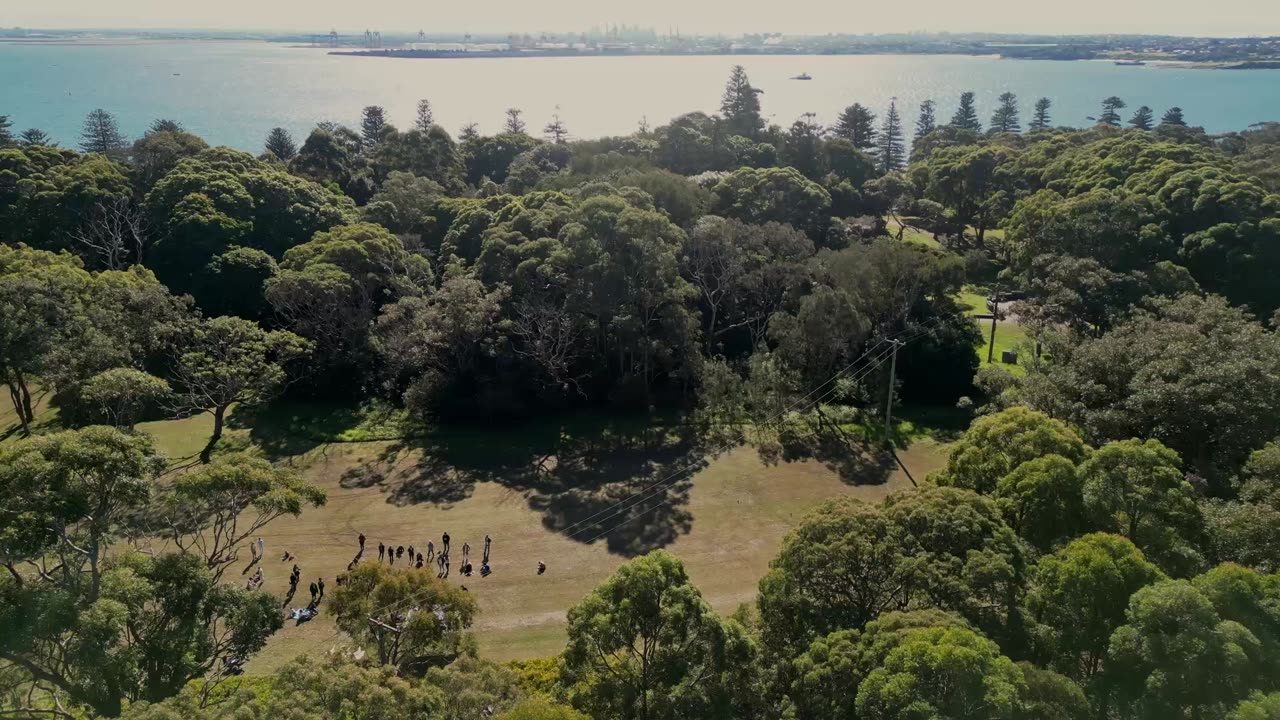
column 1130, row 62
column 803, row 76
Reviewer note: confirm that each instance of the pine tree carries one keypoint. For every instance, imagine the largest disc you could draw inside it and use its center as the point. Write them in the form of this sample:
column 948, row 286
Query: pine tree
column 468, row 133
column 514, row 125
column 1143, row 119
column 6, row 131
column 1005, row 118
column 36, row 136
column 426, row 118
column 1173, row 116
column 280, row 143
column 555, row 130
column 966, row 117
column 101, row 134
column 373, row 126
column 891, row 148
column 741, row 105
column 857, row 125
column 1111, row 108
column 928, row 120
column 1041, row 119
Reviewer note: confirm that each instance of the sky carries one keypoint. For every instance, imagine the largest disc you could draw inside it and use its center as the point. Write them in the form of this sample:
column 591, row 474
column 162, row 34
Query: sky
column 1177, row 17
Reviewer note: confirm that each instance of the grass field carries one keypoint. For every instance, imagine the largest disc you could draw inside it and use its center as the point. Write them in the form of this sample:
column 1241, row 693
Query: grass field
column 1010, row 334
column 911, row 234
column 550, row 492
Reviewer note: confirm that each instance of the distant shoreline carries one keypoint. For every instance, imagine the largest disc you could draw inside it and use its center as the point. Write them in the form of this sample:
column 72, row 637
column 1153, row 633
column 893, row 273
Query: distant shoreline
column 409, row 54
column 1158, row 63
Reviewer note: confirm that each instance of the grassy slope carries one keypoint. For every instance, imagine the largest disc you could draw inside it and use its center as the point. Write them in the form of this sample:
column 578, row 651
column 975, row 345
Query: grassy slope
column 527, row 488
column 1010, row 335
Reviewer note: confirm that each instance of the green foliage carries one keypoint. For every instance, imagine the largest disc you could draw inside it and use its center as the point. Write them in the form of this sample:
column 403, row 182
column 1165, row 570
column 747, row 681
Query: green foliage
column 1137, row 489
column 857, row 124
column 491, row 156
column 1079, row 595
column 212, row 510
column 405, row 618
column 1194, row 373
column 1257, row 707
column 849, row 562
column 121, row 395
column 221, row 198
column 330, row 289
column 780, row 195
column 966, row 116
column 227, row 360
column 943, row 672
column 99, row 628
column 1176, row 654
column 974, row 185
column 1005, row 118
column 158, row 152
column 996, row 445
column 644, row 645
column 741, row 105
column 308, row 688
column 539, row 709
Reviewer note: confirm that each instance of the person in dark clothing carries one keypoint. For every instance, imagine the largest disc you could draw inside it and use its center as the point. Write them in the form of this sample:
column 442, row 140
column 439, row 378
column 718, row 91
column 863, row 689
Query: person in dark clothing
column 431, row 551
column 321, row 585
column 399, row 551
column 542, row 567
column 445, row 539
column 488, row 543
column 362, row 542
column 412, row 554
column 382, row 550
column 314, row 591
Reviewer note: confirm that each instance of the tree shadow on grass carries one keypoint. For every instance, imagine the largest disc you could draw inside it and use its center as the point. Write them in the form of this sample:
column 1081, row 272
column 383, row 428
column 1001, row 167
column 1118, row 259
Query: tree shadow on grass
column 855, row 456
column 624, row 483
column 289, row 428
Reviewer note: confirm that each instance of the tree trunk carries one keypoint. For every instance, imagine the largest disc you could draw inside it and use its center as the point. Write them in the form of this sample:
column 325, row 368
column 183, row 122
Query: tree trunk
column 219, row 414
column 25, row 410
column 26, row 401
column 16, row 397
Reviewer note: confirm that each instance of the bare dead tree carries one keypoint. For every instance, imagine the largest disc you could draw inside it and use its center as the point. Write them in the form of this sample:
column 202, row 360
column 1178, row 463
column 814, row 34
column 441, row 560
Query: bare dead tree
column 115, row 232
column 550, row 336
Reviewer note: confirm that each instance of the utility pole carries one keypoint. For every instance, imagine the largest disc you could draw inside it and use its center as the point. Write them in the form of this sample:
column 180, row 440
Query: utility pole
column 995, row 313
column 888, row 406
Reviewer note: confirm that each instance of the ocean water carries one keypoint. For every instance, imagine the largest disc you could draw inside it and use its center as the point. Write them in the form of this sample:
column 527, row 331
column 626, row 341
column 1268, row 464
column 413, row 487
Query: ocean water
column 233, row 93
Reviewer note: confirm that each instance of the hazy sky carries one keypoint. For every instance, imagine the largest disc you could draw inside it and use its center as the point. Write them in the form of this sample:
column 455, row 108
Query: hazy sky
column 1183, row 17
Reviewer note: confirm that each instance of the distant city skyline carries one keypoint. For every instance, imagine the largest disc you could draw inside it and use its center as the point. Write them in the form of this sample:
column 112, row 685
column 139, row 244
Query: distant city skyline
column 1157, row 17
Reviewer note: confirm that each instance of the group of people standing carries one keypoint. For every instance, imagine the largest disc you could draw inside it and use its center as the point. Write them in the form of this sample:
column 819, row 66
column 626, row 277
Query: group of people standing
column 442, row 558
column 295, row 577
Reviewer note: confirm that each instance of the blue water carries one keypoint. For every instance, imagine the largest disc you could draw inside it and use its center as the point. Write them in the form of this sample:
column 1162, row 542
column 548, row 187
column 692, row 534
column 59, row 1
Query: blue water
column 233, row 93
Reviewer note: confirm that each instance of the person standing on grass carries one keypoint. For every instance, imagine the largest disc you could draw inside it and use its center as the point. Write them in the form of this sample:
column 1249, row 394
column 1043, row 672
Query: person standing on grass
column 466, row 552
column 412, row 554
column 314, row 591
column 321, row 586
column 382, row 550
column 361, row 542
column 431, row 551
column 488, row 543
column 261, row 547
column 445, row 540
